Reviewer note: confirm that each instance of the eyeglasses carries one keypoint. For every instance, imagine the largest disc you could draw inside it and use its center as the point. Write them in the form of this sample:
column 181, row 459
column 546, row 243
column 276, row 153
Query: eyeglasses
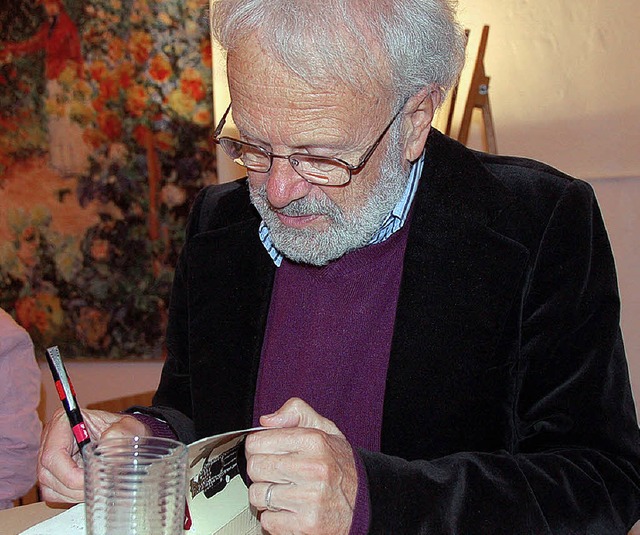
column 314, row 169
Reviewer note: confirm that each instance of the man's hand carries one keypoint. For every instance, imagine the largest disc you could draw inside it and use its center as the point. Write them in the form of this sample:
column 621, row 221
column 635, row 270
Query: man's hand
column 305, row 468
column 60, row 471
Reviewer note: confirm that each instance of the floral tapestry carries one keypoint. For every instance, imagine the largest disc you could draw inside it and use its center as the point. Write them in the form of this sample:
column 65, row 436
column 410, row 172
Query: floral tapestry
column 105, row 125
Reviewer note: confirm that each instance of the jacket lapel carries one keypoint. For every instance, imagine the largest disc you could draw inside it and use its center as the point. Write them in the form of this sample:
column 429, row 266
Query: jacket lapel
column 460, row 279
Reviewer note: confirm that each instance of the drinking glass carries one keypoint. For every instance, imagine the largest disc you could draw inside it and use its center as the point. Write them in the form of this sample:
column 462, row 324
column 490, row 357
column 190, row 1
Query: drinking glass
column 135, row 486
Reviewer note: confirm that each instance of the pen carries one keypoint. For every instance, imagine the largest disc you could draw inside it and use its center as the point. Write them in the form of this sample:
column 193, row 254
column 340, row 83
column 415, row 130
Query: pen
column 67, row 395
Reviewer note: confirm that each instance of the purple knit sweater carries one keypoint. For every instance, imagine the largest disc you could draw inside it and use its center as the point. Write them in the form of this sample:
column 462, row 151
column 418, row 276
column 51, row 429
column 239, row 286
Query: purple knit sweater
column 328, row 340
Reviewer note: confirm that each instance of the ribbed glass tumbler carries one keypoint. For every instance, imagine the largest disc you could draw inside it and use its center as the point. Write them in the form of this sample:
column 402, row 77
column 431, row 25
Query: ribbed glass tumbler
column 135, row 486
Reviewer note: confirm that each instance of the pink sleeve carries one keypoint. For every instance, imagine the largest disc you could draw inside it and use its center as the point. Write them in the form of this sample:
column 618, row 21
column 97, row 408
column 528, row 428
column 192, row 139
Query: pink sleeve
column 19, row 423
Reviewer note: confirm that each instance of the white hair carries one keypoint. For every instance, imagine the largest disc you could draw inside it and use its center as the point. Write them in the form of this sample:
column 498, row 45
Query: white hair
column 401, row 45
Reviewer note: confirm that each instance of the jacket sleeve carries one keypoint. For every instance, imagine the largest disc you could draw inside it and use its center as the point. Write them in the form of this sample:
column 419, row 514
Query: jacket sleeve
column 572, row 464
column 172, row 400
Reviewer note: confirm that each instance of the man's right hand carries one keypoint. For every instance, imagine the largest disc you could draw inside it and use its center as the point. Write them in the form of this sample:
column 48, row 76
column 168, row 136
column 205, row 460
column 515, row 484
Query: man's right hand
column 60, row 470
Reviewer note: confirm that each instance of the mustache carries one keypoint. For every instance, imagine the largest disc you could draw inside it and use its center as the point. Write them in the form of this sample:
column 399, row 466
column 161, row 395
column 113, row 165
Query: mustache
column 302, row 207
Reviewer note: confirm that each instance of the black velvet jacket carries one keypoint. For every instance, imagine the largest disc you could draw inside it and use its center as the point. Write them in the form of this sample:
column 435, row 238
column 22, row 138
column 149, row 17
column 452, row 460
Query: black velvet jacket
column 507, row 406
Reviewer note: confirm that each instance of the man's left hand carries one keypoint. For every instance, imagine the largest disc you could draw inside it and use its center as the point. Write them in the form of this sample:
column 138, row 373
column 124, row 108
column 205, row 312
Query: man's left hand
column 303, row 472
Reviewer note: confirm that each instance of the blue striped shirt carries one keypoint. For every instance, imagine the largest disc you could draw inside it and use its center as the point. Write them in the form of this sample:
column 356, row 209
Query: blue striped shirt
column 392, row 223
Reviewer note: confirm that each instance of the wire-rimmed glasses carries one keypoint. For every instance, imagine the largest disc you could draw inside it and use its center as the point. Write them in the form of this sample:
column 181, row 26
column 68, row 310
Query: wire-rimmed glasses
column 322, row 170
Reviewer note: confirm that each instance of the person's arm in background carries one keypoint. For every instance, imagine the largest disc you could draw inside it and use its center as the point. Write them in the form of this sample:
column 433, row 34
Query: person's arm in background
column 19, row 422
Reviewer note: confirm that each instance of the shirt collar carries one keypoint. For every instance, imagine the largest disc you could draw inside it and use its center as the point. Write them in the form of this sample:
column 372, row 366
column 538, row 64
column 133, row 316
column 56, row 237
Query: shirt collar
column 392, row 223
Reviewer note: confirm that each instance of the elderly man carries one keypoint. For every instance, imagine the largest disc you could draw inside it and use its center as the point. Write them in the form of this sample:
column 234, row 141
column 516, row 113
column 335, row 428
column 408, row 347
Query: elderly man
column 431, row 333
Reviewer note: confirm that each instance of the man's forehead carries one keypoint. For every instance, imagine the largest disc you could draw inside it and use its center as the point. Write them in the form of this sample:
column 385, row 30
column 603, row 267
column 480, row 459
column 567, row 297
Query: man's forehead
column 273, row 86
column 252, row 64
column 273, row 104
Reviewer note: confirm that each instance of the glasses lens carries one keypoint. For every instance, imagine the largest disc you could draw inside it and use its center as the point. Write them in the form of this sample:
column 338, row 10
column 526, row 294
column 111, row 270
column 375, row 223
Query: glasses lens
column 247, row 155
column 320, row 170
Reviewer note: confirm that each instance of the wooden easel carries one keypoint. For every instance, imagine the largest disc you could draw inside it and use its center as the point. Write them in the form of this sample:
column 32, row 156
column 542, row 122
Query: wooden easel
column 479, row 98
column 453, row 99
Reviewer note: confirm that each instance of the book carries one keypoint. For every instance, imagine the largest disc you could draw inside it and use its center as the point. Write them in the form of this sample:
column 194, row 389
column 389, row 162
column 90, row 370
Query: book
column 217, row 497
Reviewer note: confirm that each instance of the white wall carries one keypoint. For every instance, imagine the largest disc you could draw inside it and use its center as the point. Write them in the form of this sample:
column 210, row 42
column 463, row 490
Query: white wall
column 619, row 200
column 564, row 80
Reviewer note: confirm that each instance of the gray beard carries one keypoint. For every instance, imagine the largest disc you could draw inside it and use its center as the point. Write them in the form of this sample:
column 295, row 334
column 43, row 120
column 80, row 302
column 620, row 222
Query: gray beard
column 348, row 229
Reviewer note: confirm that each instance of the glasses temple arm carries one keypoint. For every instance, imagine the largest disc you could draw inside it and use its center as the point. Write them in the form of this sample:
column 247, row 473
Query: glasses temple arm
column 220, row 126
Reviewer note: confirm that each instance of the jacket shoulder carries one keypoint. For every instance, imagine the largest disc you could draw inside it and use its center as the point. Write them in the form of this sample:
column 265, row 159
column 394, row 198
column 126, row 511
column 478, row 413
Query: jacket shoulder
column 492, row 189
column 532, row 180
column 221, row 205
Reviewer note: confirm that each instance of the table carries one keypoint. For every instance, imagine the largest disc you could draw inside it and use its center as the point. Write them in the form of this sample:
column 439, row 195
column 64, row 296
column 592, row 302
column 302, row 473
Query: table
column 16, row 520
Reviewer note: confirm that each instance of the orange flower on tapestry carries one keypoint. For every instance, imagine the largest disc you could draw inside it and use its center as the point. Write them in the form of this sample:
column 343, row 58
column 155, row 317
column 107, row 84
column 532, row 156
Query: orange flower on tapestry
column 181, row 103
column 93, row 328
column 140, row 46
column 99, row 103
column 110, row 124
column 82, row 89
column 27, row 250
column 160, row 68
column 137, row 99
column 165, row 142
column 100, row 250
column 192, row 84
column 206, row 53
column 41, row 311
column 109, row 88
column 81, row 113
column 30, row 315
column 97, row 70
column 202, row 117
column 54, row 108
column 116, row 49
column 140, row 134
column 126, row 75
column 94, row 138
column 70, row 73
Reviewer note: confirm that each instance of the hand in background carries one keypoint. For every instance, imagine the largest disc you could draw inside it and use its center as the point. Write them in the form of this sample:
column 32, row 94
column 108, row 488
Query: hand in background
column 307, row 470
column 60, row 471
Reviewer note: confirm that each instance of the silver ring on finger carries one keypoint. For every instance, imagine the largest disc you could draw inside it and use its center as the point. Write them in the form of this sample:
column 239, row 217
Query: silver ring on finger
column 267, row 499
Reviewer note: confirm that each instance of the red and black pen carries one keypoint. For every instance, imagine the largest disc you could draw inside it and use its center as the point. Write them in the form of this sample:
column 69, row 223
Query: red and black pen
column 67, row 395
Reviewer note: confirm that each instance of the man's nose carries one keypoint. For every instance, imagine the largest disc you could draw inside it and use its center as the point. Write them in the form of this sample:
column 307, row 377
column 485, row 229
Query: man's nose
column 284, row 185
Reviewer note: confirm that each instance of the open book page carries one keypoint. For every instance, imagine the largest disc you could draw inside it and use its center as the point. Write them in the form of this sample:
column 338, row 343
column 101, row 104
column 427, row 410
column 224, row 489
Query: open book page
column 217, row 497
column 70, row 522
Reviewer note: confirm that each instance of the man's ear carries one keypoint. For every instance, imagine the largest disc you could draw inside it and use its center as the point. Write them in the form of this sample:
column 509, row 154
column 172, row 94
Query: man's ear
column 419, row 112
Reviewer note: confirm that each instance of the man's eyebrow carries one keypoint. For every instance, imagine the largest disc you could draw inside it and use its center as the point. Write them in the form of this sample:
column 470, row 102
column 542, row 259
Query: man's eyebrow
column 304, row 147
column 251, row 138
